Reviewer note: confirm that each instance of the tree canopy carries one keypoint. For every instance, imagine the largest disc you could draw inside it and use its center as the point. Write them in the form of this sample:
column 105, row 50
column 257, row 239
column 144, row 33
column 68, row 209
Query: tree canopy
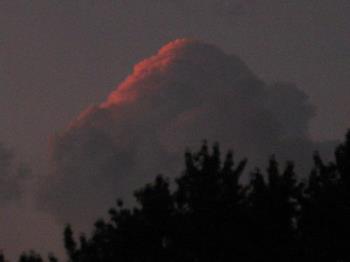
column 209, row 214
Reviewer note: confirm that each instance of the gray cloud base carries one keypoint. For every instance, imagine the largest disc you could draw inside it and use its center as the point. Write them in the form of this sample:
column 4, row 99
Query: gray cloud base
column 12, row 177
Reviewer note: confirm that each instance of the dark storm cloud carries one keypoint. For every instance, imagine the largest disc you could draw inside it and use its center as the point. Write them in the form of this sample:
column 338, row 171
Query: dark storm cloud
column 187, row 92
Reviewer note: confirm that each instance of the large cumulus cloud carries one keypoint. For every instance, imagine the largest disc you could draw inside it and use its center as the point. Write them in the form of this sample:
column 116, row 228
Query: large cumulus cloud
column 187, row 92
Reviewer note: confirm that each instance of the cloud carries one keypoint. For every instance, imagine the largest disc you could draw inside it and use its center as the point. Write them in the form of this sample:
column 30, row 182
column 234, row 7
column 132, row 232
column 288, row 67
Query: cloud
column 187, row 92
column 20, row 221
column 12, row 176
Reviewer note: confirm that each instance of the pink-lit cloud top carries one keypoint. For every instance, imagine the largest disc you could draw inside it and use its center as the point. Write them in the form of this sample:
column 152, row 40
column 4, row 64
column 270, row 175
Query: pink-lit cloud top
column 188, row 91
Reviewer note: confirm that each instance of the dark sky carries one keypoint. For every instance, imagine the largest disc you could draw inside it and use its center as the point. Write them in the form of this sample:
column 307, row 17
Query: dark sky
column 58, row 57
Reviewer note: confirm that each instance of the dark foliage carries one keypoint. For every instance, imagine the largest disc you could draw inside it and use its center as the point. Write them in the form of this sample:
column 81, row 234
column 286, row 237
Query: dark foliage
column 210, row 216
column 32, row 256
column 324, row 220
column 2, row 257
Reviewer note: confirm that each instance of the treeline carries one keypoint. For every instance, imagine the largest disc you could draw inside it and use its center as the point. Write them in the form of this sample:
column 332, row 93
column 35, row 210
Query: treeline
column 211, row 216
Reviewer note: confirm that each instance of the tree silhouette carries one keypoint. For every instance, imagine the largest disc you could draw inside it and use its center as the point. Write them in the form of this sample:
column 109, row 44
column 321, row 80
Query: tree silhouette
column 32, row 256
column 189, row 224
column 274, row 209
column 210, row 207
column 2, row 257
column 208, row 214
column 325, row 216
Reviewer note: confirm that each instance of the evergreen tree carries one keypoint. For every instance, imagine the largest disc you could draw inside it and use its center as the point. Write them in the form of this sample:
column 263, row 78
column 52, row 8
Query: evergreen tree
column 324, row 222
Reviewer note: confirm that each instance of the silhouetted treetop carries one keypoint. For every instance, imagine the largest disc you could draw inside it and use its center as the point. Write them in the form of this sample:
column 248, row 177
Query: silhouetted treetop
column 209, row 215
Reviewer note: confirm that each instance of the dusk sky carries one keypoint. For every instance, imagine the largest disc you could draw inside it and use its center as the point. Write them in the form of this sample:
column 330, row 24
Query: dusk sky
column 59, row 58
